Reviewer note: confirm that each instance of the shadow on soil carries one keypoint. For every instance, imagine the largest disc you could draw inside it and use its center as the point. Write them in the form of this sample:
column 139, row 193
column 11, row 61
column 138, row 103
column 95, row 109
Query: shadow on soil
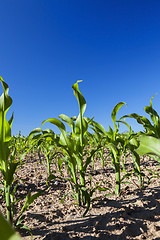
column 124, row 221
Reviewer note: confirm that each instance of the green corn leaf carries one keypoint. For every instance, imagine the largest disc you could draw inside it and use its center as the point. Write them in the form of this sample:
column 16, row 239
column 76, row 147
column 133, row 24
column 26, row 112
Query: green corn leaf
column 10, row 121
column 5, row 99
column 60, row 161
column 64, row 196
column 78, row 127
column 115, row 111
column 78, row 159
column 68, row 120
column 89, row 158
column 13, row 194
column 81, row 125
column 113, row 149
column 80, row 98
column 126, row 182
column 142, row 120
column 146, row 123
column 5, row 129
column 52, row 177
column 20, row 220
column 99, row 127
column 111, row 133
column 156, row 158
column 6, row 231
column 125, row 176
column 11, row 171
column 56, row 122
column 63, row 136
column 5, row 126
column 129, row 127
column 134, row 143
column 37, row 138
column 29, row 200
column 35, row 131
column 103, row 189
column 22, row 226
column 153, row 114
column 66, row 141
column 89, row 121
column 148, row 145
column 152, row 100
column 135, row 116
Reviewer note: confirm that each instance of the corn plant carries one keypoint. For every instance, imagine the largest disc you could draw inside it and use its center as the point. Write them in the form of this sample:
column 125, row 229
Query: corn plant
column 18, row 144
column 8, row 163
column 97, row 140
column 151, row 128
column 148, row 141
column 118, row 144
column 5, row 136
column 46, row 142
column 73, row 146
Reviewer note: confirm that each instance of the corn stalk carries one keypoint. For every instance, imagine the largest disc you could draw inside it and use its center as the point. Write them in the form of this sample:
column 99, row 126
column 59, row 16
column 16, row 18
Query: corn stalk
column 73, row 146
column 5, row 136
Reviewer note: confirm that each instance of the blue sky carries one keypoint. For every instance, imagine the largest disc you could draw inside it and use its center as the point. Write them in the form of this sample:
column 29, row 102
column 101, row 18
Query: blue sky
column 47, row 45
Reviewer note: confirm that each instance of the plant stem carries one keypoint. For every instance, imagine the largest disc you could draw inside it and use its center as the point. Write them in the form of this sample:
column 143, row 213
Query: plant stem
column 118, row 185
column 8, row 202
column 82, row 180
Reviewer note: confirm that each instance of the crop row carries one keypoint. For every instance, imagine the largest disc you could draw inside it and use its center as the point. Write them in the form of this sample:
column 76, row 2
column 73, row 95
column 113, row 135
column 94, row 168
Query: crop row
column 77, row 150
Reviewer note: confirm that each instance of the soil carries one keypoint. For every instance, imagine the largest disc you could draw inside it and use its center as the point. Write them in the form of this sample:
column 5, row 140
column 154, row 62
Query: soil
column 135, row 214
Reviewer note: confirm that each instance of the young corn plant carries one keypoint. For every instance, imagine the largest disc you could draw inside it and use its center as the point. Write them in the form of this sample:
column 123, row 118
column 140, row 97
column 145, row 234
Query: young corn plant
column 8, row 163
column 97, row 140
column 18, row 144
column 148, row 141
column 46, row 142
column 7, row 167
column 117, row 145
column 130, row 145
column 73, row 146
column 152, row 128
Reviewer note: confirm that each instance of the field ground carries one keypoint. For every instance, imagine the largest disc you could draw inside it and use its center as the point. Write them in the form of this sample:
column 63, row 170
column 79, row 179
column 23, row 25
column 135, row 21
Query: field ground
column 133, row 215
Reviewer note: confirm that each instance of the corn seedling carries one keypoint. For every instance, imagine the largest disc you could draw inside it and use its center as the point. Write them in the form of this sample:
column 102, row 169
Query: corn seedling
column 8, row 163
column 73, row 146
column 118, row 144
column 148, row 141
column 46, row 142
column 18, row 145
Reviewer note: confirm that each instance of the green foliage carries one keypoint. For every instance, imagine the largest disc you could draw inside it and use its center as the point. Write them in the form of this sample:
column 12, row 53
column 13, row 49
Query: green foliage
column 73, row 147
column 8, row 162
column 76, row 150
column 118, row 144
column 152, row 128
column 148, row 145
column 19, row 145
column 7, row 167
column 6, row 230
column 148, row 141
column 45, row 142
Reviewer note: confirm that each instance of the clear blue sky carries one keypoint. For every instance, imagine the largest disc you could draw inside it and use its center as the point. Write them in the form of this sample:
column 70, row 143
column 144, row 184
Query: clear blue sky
column 47, row 45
